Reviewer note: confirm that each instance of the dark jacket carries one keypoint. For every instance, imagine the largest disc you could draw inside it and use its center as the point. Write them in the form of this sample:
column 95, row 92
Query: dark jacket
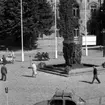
column 3, row 70
column 4, row 60
column 95, row 71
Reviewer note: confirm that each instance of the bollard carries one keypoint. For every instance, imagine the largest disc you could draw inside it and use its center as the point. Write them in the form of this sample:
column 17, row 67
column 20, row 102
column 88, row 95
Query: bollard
column 6, row 91
column 100, row 99
column 30, row 61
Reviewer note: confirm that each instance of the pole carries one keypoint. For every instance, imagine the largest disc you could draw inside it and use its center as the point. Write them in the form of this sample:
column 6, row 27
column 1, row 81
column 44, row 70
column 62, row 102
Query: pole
column 100, row 3
column 30, row 61
column 7, row 98
column 86, row 49
column 22, row 32
column 100, row 100
column 6, row 91
column 56, row 55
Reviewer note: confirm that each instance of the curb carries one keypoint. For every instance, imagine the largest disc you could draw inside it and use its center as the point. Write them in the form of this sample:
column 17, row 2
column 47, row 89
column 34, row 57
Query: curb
column 85, row 70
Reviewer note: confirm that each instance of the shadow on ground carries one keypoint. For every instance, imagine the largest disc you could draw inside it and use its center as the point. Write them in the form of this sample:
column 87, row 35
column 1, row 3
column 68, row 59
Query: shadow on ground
column 28, row 76
column 60, row 69
column 86, row 82
column 39, row 60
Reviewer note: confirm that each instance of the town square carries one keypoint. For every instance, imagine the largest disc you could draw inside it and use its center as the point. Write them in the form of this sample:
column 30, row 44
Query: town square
column 52, row 52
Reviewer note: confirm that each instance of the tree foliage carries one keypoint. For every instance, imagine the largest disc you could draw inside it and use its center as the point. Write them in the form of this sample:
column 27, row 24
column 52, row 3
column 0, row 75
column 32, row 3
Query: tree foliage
column 37, row 19
column 67, row 22
column 71, row 50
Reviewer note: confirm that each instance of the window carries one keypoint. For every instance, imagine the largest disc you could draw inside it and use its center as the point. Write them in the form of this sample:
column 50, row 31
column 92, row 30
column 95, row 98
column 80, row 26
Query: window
column 75, row 11
column 68, row 102
column 76, row 32
column 56, row 102
column 93, row 9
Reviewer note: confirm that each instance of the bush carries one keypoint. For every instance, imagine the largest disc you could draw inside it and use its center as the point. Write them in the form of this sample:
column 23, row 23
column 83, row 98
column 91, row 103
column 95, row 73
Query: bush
column 67, row 69
column 41, row 65
column 42, row 56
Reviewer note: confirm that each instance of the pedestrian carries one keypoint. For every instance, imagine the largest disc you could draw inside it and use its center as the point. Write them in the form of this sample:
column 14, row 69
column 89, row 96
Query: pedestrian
column 3, row 72
column 95, row 75
column 4, row 59
column 13, row 56
column 34, row 70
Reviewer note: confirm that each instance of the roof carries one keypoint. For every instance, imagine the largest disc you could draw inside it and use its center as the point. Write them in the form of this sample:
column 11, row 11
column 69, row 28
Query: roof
column 63, row 94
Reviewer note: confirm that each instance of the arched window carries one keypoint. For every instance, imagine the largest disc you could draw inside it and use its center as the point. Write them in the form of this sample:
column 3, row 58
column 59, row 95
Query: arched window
column 76, row 32
column 93, row 9
column 75, row 11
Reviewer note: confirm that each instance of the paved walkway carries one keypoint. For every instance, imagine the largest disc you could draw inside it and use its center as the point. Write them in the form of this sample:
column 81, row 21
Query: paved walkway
column 94, row 57
column 92, row 60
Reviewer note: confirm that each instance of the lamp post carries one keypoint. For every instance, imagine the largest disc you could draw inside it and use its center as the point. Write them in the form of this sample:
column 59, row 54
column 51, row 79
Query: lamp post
column 56, row 55
column 103, row 31
column 22, row 31
column 100, row 3
column 86, row 49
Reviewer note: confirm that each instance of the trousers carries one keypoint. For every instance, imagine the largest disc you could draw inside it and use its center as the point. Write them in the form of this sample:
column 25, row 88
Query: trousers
column 3, row 77
column 96, row 77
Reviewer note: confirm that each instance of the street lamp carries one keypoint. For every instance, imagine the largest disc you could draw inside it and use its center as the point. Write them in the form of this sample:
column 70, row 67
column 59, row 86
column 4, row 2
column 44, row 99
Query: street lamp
column 103, row 31
column 86, row 49
column 22, row 31
column 56, row 55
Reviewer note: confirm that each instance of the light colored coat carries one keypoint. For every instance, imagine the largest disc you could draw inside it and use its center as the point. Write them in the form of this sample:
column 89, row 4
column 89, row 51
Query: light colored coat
column 34, row 68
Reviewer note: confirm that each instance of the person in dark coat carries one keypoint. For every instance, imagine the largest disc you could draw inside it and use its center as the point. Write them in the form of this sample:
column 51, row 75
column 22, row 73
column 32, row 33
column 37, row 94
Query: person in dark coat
column 3, row 72
column 4, row 59
column 95, row 75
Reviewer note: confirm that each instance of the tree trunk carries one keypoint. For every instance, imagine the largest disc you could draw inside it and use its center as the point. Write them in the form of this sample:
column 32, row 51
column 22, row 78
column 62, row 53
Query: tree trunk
column 72, row 51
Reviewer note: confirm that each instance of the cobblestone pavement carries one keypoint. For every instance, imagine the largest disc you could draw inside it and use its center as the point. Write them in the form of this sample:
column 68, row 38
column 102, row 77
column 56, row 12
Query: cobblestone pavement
column 26, row 90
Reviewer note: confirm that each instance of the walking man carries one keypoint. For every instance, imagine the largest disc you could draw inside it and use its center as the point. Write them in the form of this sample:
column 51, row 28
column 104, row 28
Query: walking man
column 95, row 75
column 34, row 70
column 3, row 72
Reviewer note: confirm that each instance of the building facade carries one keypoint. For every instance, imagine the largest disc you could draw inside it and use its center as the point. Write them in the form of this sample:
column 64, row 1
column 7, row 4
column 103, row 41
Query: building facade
column 87, row 8
column 91, row 7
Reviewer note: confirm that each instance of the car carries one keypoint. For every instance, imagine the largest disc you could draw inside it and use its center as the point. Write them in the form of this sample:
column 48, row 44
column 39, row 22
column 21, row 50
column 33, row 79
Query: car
column 63, row 98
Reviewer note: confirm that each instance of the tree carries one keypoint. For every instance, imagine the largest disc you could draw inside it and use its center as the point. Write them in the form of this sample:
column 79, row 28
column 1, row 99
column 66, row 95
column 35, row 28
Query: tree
column 96, row 23
column 37, row 18
column 68, row 25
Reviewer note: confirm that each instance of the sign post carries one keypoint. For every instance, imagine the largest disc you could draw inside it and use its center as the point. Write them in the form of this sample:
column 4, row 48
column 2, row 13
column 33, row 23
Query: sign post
column 6, row 91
